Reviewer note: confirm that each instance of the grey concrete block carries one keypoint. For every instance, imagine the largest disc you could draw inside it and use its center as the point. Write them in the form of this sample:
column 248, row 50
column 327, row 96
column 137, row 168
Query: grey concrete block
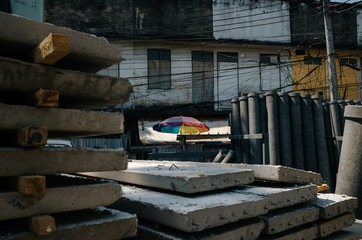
column 179, row 177
column 283, row 219
column 90, row 224
column 249, row 229
column 356, row 227
column 19, row 78
column 61, row 122
column 48, row 160
column 343, row 235
column 307, row 232
column 332, row 205
column 64, row 193
column 265, row 172
column 191, row 213
column 88, row 53
column 283, row 196
column 327, row 227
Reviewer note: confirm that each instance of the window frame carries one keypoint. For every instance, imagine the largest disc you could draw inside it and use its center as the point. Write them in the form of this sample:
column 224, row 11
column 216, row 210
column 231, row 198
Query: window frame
column 159, row 57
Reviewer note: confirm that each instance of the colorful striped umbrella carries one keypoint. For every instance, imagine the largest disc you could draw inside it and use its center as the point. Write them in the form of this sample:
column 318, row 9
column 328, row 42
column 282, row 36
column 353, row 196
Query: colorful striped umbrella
column 182, row 125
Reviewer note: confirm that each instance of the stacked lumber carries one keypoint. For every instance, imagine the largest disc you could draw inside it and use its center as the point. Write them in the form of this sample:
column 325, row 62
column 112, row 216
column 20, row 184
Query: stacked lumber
column 47, row 89
column 188, row 200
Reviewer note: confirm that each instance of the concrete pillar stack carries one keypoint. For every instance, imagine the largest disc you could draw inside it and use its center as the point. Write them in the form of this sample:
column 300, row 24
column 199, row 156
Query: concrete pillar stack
column 264, row 128
column 296, row 130
column 236, row 129
column 308, row 134
column 254, row 127
column 349, row 179
column 285, row 132
column 273, row 127
column 244, row 121
column 320, row 140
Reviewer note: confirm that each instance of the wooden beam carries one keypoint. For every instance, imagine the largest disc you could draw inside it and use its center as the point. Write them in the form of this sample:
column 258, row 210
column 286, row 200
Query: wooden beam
column 53, row 48
column 32, row 137
column 27, row 185
column 41, row 225
column 46, row 98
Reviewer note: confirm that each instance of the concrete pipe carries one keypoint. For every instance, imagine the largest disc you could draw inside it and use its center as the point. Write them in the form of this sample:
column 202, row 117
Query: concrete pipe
column 320, row 140
column 236, row 129
column 349, row 180
column 244, row 121
column 341, row 106
column 264, row 128
column 285, row 132
column 254, row 127
column 336, row 130
column 310, row 159
column 273, row 127
column 297, row 131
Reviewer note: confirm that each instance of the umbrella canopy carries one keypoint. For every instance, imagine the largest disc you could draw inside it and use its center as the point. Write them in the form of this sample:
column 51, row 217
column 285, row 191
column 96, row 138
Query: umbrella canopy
column 182, row 125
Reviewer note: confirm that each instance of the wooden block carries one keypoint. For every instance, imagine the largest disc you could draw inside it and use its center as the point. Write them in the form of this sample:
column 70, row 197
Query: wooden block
column 46, row 98
column 53, row 48
column 27, row 185
column 32, row 137
column 31, row 184
column 41, row 225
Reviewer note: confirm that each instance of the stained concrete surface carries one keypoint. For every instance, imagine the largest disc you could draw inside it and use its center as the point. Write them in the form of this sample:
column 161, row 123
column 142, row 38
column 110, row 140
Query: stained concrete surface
column 191, row 213
column 307, row 232
column 64, row 193
column 19, row 79
column 50, row 160
column 89, row 224
column 327, row 227
column 179, row 177
column 60, row 122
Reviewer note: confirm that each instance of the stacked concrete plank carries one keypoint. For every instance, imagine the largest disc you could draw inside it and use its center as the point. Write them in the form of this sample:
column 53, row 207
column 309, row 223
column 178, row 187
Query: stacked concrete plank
column 37, row 188
column 254, row 207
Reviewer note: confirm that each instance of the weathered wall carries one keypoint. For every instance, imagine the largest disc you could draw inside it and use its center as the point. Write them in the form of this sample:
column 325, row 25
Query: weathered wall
column 130, row 18
column 261, row 20
column 32, row 9
column 359, row 26
column 307, row 25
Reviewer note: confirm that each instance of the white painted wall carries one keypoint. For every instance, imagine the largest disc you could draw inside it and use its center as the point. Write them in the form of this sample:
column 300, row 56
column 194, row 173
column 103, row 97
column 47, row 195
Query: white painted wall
column 261, row 20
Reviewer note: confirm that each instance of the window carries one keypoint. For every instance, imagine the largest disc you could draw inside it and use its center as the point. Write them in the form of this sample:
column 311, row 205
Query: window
column 268, row 58
column 202, row 76
column 159, row 69
column 348, row 62
column 312, row 61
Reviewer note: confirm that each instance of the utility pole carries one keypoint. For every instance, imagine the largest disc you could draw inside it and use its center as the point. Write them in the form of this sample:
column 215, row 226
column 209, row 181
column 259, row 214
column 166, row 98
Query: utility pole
column 332, row 73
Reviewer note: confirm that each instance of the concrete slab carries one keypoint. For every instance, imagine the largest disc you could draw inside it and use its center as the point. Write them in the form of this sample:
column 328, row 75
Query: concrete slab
column 284, row 219
column 356, row 227
column 249, row 229
column 64, row 193
column 327, row 227
column 332, row 205
column 88, row 53
column 180, row 178
column 60, row 122
column 192, row 213
column 266, row 172
column 283, row 195
column 307, row 232
column 343, row 235
column 19, row 78
column 89, row 224
column 48, row 160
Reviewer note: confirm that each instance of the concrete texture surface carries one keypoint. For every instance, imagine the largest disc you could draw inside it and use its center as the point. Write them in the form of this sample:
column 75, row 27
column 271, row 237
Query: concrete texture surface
column 191, row 213
column 249, row 229
column 180, row 178
column 327, row 227
column 88, row 53
column 90, row 224
column 50, row 160
column 281, row 220
column 283, row 196
column 307, row 232
column 60, row 122
column 64, row 193
column 19, row 78
column 356, row 227
column 332, row 205
column 343, row 235
column 265, row 172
